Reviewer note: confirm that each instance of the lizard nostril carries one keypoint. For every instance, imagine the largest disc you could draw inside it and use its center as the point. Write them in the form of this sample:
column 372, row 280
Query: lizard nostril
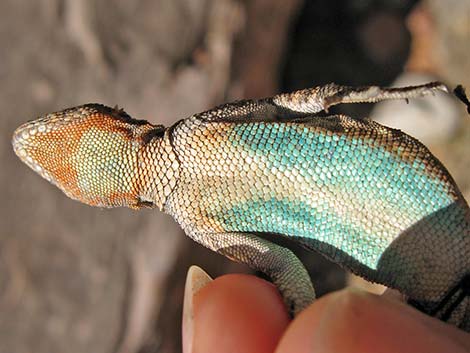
column 25, row 135
column 19, row 136
column 20, row 140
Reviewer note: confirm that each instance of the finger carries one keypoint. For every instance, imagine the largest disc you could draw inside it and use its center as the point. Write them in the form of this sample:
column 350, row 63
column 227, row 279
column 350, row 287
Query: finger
column 234, row 313
column 352, row 321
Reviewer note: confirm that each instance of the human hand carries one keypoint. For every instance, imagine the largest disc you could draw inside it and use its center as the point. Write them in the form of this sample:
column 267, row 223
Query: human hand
column 241, row 313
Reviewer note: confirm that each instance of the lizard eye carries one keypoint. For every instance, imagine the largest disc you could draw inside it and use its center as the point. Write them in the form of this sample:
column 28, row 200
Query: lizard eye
column 89, row 152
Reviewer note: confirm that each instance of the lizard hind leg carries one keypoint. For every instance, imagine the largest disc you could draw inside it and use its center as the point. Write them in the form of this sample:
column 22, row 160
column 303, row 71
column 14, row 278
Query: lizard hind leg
column 373, row 94
column 310, row 101
column 454, row 307
column 455, row 297
column 313, row 100
column 279, row 263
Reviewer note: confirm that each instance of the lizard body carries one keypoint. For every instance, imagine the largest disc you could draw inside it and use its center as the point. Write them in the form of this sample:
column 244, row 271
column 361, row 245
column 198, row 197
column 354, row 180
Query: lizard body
column 369, row 197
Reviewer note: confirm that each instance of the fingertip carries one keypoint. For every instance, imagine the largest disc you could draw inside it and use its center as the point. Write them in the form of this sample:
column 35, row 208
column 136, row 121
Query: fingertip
column 355, row 321
column 344, row 321
column 196, row 279
column 238, row 313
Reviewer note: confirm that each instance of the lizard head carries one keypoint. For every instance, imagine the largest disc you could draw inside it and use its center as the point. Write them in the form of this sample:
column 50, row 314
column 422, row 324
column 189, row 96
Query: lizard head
column 90, row 152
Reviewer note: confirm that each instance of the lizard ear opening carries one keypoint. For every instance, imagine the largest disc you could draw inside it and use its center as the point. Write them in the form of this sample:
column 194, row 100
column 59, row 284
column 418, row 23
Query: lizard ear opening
column 90, row 152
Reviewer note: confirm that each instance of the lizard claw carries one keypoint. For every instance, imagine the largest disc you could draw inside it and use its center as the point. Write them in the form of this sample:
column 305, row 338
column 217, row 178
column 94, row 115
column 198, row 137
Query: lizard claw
column 460, row 93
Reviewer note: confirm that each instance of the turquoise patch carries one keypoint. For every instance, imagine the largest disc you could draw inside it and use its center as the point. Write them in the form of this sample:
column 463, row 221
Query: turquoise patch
column 379, row 181
column 301, row 220
column 349, row 164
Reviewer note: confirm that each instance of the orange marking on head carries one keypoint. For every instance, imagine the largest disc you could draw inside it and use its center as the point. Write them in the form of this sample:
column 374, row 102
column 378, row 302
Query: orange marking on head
column 90, row 152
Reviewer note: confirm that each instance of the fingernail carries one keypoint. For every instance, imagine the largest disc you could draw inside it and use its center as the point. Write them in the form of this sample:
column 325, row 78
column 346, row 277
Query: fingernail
column 196, row 279
column 393, row 294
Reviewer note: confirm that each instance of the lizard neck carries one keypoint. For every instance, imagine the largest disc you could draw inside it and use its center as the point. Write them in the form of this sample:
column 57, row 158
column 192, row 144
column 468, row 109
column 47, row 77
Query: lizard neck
column 158, row 171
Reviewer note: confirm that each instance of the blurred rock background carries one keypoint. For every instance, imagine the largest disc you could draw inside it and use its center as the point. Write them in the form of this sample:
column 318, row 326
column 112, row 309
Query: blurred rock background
column 77, row 279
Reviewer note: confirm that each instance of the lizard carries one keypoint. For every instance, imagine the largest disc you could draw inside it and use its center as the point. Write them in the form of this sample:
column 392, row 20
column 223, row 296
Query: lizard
column 368, row 197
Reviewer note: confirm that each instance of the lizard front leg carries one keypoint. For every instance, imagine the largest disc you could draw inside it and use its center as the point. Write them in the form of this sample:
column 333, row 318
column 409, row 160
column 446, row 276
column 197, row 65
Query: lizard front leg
column 279, row 263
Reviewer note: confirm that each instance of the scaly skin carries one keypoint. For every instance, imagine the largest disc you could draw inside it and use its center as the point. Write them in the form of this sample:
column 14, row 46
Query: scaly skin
column 370, row 198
